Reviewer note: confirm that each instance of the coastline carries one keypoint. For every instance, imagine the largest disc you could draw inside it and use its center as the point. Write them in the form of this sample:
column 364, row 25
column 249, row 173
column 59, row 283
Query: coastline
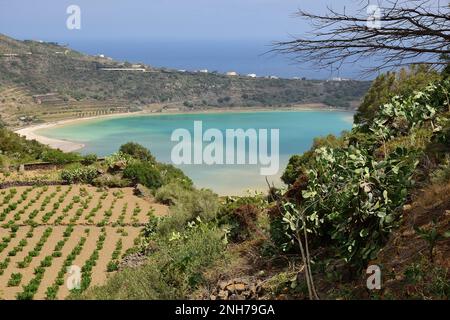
column 70, row 146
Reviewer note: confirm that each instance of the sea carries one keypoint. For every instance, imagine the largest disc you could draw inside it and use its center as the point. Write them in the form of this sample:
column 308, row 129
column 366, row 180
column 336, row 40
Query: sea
column 297, row 130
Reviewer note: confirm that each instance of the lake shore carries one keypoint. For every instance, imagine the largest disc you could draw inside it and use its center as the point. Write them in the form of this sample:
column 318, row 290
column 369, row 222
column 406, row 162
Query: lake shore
column 30, row 132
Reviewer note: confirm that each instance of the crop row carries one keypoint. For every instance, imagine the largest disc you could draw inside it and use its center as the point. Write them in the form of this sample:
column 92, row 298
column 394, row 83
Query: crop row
column 22, row 243
column 86, row 270
column 113, row 264
column 52, row 290
column 36, row 250
column 32, row 287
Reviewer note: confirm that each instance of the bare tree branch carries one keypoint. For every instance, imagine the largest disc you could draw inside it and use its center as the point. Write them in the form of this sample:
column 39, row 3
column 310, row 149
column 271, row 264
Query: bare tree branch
column 405, row 32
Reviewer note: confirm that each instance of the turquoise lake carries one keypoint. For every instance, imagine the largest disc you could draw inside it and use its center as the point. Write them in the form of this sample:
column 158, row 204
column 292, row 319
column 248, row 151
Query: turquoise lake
column 297, row 129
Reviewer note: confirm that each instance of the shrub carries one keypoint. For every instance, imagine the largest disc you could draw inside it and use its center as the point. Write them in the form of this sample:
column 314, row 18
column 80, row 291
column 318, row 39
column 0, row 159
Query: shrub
column 442, row 173
column 59, row 157
column 347, row 187
column 351, row 196
column 240, row 215
column 15, row 280
column 111, row 181
column 79, row 175
column 89, row 159
column 170, row 174
column 186, row 206
column 118, row 158
column 297, row 163
column 143, row 173
column 137, row 152
column 112, row 266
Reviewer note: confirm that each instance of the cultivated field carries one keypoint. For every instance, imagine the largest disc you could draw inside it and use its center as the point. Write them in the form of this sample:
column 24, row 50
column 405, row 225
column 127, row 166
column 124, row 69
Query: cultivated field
column 45, row 230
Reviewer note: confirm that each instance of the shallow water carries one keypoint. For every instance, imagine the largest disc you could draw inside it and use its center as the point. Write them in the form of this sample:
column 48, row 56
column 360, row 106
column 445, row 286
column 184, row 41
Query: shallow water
column 297, row 130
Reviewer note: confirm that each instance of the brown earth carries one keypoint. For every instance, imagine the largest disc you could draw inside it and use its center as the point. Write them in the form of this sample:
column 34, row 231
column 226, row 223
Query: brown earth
column 128, row 231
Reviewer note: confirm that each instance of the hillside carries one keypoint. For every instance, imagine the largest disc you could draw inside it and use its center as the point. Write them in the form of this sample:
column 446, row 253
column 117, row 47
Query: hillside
column 46, row 81
column 377, row 195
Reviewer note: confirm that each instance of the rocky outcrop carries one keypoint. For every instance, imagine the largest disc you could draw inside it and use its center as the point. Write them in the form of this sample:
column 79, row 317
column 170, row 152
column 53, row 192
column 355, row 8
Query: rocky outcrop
column 237, row 289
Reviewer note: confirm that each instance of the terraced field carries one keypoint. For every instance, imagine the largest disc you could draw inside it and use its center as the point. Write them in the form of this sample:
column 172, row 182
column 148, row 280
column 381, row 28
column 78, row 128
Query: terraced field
column 46, row 230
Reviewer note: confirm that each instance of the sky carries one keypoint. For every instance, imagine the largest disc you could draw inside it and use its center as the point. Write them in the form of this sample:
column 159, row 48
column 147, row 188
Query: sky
column 146, row 27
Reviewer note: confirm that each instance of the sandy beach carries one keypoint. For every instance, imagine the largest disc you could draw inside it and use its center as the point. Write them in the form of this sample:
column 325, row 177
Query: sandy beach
column 30, row 132
column 63, row 145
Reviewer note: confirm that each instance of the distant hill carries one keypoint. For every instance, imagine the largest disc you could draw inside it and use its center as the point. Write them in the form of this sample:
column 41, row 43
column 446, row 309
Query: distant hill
column 35, row 73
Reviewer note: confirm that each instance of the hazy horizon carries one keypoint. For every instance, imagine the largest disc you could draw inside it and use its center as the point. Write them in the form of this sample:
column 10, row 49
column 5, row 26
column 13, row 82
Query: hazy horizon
column 221, row 35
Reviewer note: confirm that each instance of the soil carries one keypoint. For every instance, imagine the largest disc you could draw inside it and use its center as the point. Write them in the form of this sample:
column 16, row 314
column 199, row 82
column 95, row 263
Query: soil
column 128, row 232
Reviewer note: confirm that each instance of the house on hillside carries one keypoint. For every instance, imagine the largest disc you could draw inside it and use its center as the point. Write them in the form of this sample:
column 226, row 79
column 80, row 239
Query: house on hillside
column 231, row 73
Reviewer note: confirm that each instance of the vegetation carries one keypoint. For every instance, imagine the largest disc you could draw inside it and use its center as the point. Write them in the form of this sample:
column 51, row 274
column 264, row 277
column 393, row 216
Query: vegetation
column 79, row 87
column 357, row 186
column 79, row 175
column 137, row 151
column 388, row 85
column 345, row 200
column 172, row 272
column 144, row 173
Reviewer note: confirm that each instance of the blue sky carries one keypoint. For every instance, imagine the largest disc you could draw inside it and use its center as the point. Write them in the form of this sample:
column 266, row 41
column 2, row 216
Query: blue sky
column 188, row 34
column 150, row 19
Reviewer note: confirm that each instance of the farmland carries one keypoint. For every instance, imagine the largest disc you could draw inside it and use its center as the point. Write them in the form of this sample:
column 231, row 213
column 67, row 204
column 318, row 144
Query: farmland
column 46, row 229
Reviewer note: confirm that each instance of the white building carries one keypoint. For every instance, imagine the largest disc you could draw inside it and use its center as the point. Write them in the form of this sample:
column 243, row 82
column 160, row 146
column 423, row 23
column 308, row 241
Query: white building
column 251, row 75
column 232, row 73
column 203, row 71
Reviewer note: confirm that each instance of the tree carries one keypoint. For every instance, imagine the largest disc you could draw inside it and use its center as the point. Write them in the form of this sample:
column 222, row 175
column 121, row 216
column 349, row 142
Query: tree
column 143, row 173
column 403, row 32
column 137, row 151
column 390, row 84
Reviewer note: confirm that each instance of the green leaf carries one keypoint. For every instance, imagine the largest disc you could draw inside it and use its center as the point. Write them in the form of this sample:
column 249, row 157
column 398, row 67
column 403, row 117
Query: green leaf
column 308, row 194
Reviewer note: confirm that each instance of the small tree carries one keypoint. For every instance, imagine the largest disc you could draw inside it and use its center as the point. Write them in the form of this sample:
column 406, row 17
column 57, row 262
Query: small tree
column 137, row 151
column 143, row 173
column 393, row 34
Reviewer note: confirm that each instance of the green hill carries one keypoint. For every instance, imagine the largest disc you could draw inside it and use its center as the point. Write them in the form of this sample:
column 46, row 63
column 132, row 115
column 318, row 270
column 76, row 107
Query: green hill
column 64, row 80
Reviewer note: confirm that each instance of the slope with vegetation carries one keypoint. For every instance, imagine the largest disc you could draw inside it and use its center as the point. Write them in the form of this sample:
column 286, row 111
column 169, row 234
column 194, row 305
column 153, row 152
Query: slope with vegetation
column 45, row 81
column 375, row 195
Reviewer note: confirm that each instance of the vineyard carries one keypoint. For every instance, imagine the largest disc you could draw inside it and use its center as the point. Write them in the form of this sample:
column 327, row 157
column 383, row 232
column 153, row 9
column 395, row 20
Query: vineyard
column 47, row 230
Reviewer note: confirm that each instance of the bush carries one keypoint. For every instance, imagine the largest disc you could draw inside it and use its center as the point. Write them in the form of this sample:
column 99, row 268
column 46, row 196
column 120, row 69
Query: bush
column 111, row 181
column 118, row 158
column 79, row 175
column 137, row 152
column 89, row 159
column 351, row 196
column 297, row 163
column 240, row 215
column 170, row 174
column 186, row 206
column 59, row 157
column 442, row 174
column 143, row 173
